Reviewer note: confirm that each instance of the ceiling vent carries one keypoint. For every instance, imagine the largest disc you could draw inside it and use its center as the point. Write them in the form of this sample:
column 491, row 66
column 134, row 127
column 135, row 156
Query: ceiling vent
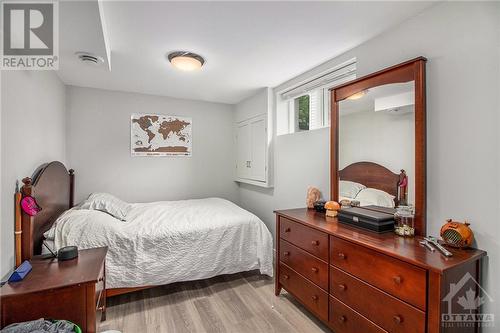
column 89, row 58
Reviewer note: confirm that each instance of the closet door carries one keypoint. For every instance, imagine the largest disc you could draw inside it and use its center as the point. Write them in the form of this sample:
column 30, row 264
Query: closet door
column 244, row 147
column 258, row 133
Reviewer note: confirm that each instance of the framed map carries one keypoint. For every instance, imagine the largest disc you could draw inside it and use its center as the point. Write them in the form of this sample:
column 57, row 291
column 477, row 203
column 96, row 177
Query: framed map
column 160, row 135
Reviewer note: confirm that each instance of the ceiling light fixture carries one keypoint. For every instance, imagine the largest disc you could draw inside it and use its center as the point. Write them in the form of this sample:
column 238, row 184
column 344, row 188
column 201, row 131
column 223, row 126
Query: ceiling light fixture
column 358, row 95
column 186, row 61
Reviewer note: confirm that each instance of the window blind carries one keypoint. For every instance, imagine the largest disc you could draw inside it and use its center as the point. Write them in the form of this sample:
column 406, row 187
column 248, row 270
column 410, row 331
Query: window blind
column 334, row 76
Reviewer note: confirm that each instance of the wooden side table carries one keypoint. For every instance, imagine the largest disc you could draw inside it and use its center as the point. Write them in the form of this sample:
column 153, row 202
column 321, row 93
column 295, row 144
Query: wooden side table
column 73, row 290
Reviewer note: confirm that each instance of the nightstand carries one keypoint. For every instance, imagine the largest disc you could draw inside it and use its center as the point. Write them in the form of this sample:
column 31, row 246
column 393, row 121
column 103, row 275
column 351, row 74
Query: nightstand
column 73, row 290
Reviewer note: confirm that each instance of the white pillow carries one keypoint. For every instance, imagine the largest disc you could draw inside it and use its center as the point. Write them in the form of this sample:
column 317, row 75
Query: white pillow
column 107, row 203
column 372, row 196
column 350, row 189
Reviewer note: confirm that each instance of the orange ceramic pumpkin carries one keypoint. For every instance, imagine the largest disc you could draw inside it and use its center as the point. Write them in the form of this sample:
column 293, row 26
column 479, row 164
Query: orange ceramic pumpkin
column 457, row 234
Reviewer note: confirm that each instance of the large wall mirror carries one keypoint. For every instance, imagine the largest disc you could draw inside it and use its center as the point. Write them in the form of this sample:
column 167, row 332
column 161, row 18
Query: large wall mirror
column 378, row 140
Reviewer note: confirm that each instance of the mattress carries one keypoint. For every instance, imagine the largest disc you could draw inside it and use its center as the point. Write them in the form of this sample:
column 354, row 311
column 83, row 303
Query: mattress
column 170, row 241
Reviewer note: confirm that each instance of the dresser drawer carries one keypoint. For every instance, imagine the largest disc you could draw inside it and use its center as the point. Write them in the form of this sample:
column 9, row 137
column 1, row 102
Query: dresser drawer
column 400, row 279
column 343, row 319
column 313, row 297
column 313, row 241
column 393, row 316
column 304, row 263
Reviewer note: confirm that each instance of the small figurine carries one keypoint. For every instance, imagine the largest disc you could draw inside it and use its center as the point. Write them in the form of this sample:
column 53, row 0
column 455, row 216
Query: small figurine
column 332, row 208
column 313, row 195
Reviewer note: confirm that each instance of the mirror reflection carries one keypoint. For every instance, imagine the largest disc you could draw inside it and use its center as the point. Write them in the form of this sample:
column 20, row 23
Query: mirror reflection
column 377, row 146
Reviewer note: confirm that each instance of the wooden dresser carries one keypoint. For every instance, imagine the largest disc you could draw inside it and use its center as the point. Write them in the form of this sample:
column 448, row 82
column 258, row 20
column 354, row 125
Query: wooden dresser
column 362, row 282
column 73, row 290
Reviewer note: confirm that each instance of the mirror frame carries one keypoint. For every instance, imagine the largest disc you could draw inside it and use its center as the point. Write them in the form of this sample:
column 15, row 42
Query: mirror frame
column 412, row 70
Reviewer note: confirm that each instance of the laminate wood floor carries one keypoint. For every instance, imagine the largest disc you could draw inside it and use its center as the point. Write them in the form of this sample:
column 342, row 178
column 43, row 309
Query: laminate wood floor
column 242, row 302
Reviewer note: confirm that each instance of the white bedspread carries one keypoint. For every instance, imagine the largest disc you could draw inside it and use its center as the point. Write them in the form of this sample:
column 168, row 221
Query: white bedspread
column 171, row 241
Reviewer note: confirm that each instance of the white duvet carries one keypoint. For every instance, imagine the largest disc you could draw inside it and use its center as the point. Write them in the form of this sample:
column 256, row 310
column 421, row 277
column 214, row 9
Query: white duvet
column 171, row 241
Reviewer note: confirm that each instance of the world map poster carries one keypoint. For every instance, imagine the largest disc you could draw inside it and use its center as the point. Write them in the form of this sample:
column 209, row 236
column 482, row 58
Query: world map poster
column 160, row 135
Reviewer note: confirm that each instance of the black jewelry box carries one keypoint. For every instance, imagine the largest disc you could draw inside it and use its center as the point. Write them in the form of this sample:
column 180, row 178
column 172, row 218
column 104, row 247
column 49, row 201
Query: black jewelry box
column 367, row 218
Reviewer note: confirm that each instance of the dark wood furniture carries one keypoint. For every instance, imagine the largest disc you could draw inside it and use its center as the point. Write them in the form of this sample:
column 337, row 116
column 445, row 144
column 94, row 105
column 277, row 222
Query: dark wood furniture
column 413, row 70
column 377, row 176
column 358, row 281
column 53, row 186
column 72, row 290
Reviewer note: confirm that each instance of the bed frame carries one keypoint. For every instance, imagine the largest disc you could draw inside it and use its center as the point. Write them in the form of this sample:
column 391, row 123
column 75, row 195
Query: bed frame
column 52, row 186
column 379, row 177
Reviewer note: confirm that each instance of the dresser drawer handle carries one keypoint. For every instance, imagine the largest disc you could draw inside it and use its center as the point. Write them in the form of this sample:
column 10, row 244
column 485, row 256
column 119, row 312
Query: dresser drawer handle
column 287, row 230
column 342, row 287
column 314, row 270
column 342, row 319
column 286, row 277
column 286, row 253
column 315, row 242
column 342, row 256
column 398, row 279
column 398, row 319
column 314, row 297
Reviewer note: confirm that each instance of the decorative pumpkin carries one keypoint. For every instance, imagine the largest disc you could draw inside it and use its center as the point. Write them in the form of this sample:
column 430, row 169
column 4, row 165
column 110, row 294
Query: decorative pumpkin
column 457, row 234
column 332, row 207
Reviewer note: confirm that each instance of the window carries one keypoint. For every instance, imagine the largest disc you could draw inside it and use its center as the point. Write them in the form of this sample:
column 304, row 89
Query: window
column 302, row 106
column 306, row 106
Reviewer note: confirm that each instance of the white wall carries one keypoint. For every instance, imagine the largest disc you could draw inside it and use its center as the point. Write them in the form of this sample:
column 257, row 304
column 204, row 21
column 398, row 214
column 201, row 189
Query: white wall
column 380, row 137
column 99, row 148
column 253, row 106
column 461, row 41
column 32, row 132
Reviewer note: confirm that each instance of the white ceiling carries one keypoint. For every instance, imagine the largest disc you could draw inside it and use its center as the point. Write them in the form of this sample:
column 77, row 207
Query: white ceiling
column 247, row 45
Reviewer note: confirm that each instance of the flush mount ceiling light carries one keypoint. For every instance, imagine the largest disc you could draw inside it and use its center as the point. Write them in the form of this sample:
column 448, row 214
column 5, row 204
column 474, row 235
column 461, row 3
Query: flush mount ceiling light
column 358, row 95
column 186, row 61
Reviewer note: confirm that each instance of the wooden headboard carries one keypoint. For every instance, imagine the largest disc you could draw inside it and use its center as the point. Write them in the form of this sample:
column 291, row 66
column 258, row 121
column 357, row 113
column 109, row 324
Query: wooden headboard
column 52, row 186
column 379, row 177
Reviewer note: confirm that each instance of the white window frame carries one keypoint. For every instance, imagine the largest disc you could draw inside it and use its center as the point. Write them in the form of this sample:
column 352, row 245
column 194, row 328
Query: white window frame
column 286, row 98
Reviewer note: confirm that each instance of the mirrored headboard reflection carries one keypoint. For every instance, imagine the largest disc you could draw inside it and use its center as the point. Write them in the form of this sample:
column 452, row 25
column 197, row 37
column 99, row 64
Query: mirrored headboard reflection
column 378, row 139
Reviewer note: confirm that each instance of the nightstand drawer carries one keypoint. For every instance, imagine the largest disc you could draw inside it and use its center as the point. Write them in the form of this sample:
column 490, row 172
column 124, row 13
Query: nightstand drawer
column 62, row 303
column 312, row 296
column 400, row 279
column 308, row 239
column 393, row 316
column 304, row 263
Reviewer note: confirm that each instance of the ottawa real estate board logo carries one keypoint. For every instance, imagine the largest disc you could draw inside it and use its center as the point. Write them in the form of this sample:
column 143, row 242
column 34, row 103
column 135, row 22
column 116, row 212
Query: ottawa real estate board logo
column 30, row 35
column 463, row 304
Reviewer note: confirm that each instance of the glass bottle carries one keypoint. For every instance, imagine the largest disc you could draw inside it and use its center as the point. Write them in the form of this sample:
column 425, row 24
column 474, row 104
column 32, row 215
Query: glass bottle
column 404, row 221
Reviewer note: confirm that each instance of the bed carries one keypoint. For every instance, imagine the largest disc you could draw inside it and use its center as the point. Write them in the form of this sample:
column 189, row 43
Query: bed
column 158, row 243
column 373, row 184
